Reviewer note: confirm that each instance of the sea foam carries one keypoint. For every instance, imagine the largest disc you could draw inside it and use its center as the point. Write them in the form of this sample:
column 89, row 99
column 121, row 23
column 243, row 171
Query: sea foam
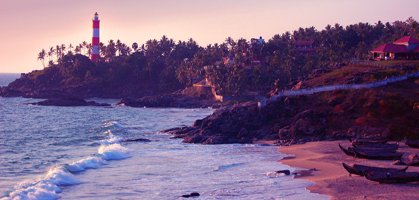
column 48, row 186
column 113, row 152
column 92, row 162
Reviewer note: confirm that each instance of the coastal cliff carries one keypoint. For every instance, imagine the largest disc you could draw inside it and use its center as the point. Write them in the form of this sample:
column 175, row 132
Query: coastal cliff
column 391, row 111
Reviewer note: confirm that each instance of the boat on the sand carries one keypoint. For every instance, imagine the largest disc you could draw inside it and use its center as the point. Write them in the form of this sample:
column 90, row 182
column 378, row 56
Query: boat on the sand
column 378, row 155
column 410, row 159
column 378, row 146
column 371, row 154
column 361, row 170
column 392, row 177
column 412, row 143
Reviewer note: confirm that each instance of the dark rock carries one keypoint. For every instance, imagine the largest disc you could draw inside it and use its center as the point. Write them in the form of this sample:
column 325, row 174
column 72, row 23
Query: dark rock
column 197, row 123
column 286, row 172
column 167, row 101
column 137, row 140
column 232, row 124
column 386, row 112
column 193, row 194
column 68, row 102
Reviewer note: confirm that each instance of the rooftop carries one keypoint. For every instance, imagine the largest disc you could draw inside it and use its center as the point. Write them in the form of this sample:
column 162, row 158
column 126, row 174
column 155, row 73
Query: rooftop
column 390, row 48
column 407, row 40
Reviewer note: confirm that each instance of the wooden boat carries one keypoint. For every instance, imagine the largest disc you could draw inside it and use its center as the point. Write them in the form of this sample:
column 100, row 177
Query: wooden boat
column 372, row 149
column 409, row 159
column 348, row 151
column 361, row 141
column 362, row 169
column 373, row 155
column 377, row 146
column 412, row 143
column 392, row 177
column 378, row 155
column 351, row 151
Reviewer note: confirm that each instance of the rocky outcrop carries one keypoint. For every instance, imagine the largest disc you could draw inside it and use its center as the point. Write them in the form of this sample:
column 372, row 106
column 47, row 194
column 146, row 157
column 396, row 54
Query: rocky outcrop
column 231, row 124
column 387, row 112
column 169, row 101
column 68, row 102
column 76, row 75
column 190, row 97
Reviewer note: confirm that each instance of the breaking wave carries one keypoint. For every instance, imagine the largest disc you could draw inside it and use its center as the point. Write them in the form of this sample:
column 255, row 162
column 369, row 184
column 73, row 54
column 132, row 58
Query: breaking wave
column 49, row 185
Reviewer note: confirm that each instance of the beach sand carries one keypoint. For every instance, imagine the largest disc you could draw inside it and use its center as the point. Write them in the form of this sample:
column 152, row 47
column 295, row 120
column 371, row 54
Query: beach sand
column 332, row 179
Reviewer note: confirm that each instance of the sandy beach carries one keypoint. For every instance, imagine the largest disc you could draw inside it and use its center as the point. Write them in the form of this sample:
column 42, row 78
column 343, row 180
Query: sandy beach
column 332, row 179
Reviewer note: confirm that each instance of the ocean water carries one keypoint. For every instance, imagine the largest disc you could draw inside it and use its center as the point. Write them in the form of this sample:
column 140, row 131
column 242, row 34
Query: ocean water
column 83, row 153
column 6, row 78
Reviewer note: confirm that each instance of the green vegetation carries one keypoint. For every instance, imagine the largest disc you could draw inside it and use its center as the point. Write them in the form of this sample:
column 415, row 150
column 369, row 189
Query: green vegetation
column 233, row 67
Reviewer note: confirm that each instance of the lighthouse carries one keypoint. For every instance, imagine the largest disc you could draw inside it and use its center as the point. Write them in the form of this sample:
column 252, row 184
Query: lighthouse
column 95, row 39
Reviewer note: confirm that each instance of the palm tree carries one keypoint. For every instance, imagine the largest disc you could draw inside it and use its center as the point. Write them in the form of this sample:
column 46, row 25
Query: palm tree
column 102, row 49
column 134, row 46
column 110, row 50
column 80, row 47
column 58, row 52
column 62, row 50
column 41, row 56
column 50, row 53
column 84, row 46
column 119, row 47
column 89, row 49
column 77, row 49
column 70, row 47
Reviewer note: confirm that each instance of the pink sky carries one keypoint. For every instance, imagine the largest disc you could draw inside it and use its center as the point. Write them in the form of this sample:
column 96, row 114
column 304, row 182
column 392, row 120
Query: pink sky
column 27, row 26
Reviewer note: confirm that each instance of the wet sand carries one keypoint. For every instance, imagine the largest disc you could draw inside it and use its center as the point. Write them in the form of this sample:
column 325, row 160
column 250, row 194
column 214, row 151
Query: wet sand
column 332, row 179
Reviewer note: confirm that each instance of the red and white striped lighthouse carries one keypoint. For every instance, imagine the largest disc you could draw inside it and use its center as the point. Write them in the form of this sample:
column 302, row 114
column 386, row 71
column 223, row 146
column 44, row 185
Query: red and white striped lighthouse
column 95, row 39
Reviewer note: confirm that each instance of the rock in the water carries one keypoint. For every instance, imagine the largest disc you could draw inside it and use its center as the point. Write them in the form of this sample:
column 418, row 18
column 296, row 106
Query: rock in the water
column 193, row 194
column 168, row 100
column 137, row 140
column 286, row 172
column 68, row 102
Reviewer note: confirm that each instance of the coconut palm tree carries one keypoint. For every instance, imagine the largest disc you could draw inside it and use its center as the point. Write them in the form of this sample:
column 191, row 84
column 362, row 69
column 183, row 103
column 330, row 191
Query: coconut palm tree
column 110, row 50
column 70, row 48
column 89, row 49
column 102, row 49
column 63, row 48
column 50, row 53
column 41, row 56
column 119, row 47
column 77, row 49
column 84, row 46
column 58, row 52
column 134, row 46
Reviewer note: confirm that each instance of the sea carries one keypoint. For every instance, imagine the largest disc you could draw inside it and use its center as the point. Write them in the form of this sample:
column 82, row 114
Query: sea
column 86, row 153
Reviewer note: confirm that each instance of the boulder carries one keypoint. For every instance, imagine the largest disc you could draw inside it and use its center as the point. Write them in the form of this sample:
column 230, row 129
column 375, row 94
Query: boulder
column 193, row 194
column 68, row 102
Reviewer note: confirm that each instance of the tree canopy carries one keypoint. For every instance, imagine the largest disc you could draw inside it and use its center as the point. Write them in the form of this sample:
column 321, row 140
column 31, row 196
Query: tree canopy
column 233, row 66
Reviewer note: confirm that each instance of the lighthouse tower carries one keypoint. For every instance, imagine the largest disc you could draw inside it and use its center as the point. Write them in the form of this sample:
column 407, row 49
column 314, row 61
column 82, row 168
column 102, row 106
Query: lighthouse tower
column 95, row 39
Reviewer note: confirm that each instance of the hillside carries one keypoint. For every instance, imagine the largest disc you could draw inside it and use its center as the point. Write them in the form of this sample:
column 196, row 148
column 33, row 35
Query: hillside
column 391, row 111
column 77, row 76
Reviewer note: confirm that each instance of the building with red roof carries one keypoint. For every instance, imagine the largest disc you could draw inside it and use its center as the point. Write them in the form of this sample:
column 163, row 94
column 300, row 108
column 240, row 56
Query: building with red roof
column 405, row 48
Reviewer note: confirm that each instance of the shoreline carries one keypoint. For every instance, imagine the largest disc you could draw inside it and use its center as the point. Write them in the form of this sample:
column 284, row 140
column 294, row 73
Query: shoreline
column 331, row 179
